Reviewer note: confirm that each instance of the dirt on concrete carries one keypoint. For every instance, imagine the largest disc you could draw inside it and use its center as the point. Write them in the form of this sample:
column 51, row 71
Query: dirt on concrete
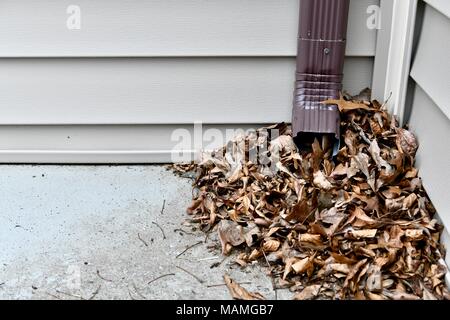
column 109, row 232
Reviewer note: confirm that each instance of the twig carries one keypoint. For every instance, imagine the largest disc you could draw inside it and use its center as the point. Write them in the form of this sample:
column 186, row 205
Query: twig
column 224, row 284
column 164, row 235
column 208, row 258
column 267, row 261
column 101, row 277
column 387, row 100
column 181, row 230
column 164, row 204
column 95, row 292
column 216, row 264
column 53, row 295
column 138, row 293
column 191, row 274
column 163, row 276
column 207, row 235
column 143, row 241
column 200, row 218
column 272, row 280
column 129, row 293
column 70, row 295
column 307, row 217
column 188, row 248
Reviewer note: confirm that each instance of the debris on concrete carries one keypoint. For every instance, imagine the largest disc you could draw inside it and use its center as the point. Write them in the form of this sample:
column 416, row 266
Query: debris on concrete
column 357, row 227
column 79, row 237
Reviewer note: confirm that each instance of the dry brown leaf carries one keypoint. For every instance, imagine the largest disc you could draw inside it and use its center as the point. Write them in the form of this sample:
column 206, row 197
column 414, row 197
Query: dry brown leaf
column 361, row 222
column 374, row 151
column 332, row 217
column 238, row 292
column 409, row 201
column 365, row 233
column 374, row 280
column 358, row 218
column 303, row 265
column 374, row 296
column 403, row 296
column 312, row 238
column 321, row 182
column 288, row 266
column 414, row 234
column 255, row 254
column 339, row 170
column 345, row 105
column 271, row 245
column 230, row 232
column 252, row 235
column 300, row 212
column 310, row 292
column 406, row 142
column 353, row 272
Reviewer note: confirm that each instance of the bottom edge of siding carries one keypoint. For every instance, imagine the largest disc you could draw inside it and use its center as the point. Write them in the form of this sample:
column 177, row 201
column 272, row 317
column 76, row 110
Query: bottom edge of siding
column 94, row 156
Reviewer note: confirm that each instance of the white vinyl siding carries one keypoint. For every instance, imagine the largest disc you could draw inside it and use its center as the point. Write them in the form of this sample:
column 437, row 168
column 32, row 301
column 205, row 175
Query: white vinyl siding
column 155, row 90
column 430, row 113
column 432, row 128
column 161, row 28
column 100, row 144
column 137, row 70
column 443, row 6
column 431, row 68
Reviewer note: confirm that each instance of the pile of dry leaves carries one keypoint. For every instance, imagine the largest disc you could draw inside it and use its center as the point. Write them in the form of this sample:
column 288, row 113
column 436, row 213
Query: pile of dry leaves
column 359, row 226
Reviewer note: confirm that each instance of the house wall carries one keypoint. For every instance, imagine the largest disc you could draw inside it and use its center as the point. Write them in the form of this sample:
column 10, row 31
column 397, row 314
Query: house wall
column 430, row 109
column 115, row 90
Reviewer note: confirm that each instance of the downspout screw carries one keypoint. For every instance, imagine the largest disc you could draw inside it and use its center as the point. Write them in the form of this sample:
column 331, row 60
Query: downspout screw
column 326, row 51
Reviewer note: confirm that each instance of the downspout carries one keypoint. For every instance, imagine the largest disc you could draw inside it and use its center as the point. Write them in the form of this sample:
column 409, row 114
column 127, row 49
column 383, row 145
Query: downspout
column 320, row 63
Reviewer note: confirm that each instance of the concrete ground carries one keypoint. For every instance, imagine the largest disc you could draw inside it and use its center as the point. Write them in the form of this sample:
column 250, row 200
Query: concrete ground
column 99, row 232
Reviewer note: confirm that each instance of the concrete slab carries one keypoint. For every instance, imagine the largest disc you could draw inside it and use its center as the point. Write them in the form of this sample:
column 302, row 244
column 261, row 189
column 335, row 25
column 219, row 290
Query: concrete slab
column 82, row 232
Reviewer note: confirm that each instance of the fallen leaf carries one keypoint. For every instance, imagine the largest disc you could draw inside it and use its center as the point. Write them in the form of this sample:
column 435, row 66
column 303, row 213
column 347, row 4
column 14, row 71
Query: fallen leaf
column 310, row 292
column 300, row 212
column 238, row 292
column 271, row 245
column 374, row 151
column 345, row 105
column 312, row 238
column 374, row 282
column 360, row 222
column 365, row 233
column 301, row 266
column 406, row 142
column 230, row 233
column 321, row 182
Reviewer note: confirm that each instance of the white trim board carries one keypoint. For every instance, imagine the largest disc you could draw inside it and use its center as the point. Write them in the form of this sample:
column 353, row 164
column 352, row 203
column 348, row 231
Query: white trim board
column 111, row 143
column 91, row 156
column 393, row 53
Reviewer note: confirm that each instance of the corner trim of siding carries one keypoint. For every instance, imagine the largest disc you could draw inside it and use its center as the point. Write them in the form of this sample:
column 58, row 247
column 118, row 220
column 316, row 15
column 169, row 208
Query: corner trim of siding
column 393, row 54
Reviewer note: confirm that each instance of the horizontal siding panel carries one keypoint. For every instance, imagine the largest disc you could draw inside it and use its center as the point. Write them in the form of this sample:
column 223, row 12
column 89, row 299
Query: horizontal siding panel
column 107, row 144
column 117, row 28
column 443, row 6
column 431, row 67
column 155, row 90
column 84, row 157
column 432, row 128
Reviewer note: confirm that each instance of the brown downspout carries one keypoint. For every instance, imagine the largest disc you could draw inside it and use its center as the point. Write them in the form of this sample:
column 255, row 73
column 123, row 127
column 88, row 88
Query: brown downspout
column 320, row 62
